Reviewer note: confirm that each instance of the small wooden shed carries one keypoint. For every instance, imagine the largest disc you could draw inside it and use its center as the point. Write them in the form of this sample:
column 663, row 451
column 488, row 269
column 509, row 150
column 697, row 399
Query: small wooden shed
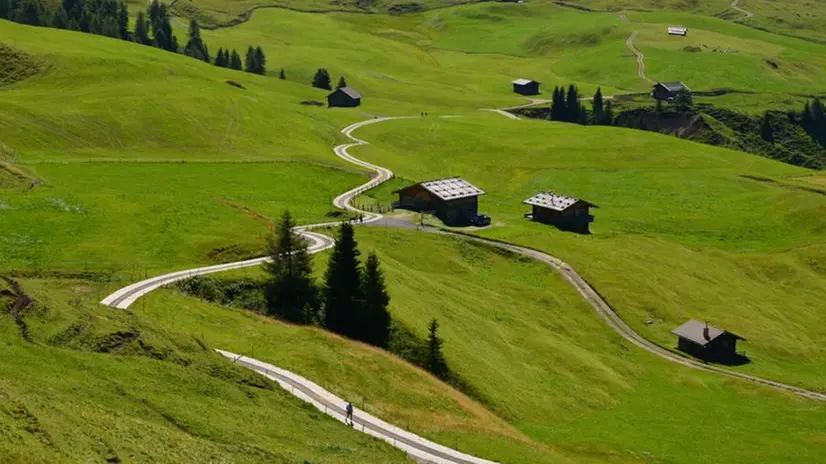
column 345, row 97
column 669, row 90
column 526, row 87
column 566, row 213
column 678, row 30
column 706, row 342
column 453, row 200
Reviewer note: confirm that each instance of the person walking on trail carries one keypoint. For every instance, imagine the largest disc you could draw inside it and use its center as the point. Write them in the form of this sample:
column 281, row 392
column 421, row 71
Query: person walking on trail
column 349, row 410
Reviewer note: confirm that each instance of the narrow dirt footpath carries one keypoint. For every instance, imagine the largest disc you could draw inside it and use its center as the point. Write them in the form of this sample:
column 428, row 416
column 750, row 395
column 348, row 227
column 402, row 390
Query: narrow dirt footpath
column 640, row 58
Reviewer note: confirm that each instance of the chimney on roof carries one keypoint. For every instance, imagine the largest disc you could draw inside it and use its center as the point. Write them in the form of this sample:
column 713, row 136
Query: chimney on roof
column 705, row 332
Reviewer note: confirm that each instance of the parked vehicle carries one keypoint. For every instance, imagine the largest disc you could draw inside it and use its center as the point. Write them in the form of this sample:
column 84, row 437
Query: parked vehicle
column 480, row 220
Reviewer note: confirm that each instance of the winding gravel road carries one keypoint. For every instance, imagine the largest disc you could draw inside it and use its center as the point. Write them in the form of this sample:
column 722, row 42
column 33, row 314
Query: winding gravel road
column 418, row 447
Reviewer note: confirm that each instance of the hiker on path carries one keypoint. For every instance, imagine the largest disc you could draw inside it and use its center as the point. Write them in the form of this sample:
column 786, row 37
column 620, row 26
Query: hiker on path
column 349, row 418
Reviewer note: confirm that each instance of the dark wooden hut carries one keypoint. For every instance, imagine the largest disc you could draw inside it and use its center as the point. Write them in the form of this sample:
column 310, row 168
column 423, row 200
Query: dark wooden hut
column 453, row 200
column 346, row 97
column 706, row 341
column 566, row 213
column 669, row 90
column 526, row 87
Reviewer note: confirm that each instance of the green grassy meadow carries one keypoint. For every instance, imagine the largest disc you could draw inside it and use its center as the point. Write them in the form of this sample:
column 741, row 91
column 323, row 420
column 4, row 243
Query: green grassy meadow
column 119, row 161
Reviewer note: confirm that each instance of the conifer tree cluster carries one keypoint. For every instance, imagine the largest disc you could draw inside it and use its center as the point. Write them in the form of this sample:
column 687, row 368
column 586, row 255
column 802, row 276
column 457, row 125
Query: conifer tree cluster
column 111, row 18
column 813, row 120
column 255, row 62
column 567, row 107
column 353, row 300
column 102, row 17
column 321, row 79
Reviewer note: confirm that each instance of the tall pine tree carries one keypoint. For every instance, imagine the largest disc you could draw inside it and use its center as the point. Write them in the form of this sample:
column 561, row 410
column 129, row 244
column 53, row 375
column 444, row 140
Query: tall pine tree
column 341, row 83
column 766, row 130
column 321, row 79
column 235, row 61
column 195, row 46
column 219, row 59
column 376, row 318
column 608, row 114
column 260, row 61
column 291, row 290
column 282, row 75
column 558, row 105
column 597, row 107
column 435, row 360
column 342, row 285
column 141, row 34
column 249, row 60
column 572, row 106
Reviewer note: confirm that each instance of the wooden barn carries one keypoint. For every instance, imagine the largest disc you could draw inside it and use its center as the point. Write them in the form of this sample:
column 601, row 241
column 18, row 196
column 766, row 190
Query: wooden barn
column 669, row 90
column 453, row 200
column 707, row 342
column 345, row 97
column 566, row 213
column 678, row 30
column 526, row 87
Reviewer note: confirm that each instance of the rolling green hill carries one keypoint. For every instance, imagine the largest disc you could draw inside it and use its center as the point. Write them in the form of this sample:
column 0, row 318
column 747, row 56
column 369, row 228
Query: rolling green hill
column 121, row 161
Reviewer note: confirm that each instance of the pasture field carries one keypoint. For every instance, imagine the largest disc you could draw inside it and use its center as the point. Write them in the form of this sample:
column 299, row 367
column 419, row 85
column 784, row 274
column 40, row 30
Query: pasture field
column 683, row 230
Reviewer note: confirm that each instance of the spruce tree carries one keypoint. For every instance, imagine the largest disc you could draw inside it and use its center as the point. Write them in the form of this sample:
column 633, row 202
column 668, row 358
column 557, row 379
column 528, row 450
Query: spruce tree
column 195, row 46
column 249, row 60
column 341, row 83
column 235, row 60
column 5, row 9
column 583, row 115
column 597, row 107
column 342, row 285
column 282, row 75
column 558, row 105
column 321, row 79
column 608, row 114
column 60, row 20
column 123, row 21
column 806, row 117
column 31, row 12
column 572, row 104
column 291, row 292
column 260, row 61
column 219, row 58
column 435, row 361
column 161, row 26
column 766, row 130
column 376, row 318
column 141, row 34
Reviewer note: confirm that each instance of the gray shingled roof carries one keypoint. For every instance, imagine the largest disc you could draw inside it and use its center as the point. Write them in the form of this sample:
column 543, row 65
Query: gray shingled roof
column 351, row 92
column 674, row 86
column 451, row 188
column 694, row 331
column 522, row 81
column 553, row 201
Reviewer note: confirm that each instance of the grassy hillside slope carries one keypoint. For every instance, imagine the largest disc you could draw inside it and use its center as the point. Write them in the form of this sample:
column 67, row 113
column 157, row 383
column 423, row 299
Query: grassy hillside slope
column 550, row 373
column 683, row 230
column 97, row 385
